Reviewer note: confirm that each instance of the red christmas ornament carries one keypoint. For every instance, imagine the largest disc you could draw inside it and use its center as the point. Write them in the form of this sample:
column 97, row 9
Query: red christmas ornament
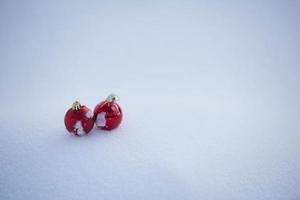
column 79, row 119
column 108, row 114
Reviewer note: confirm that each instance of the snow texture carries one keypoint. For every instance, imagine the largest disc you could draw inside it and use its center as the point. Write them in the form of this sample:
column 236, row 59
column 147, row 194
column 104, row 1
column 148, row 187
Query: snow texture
column 100, row 119
column 89, row 114
column 210, row 92
column 79, row 129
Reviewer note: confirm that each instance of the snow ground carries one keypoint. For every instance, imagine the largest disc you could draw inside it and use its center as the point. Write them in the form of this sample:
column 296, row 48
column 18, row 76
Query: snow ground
column 210, row 93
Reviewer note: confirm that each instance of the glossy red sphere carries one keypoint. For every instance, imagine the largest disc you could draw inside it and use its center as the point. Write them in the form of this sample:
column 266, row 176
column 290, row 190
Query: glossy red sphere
column 79, row 122
column 108, row 115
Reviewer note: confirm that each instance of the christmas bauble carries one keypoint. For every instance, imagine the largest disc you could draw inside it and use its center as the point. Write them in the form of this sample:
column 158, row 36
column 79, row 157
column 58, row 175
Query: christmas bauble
column 108, row 114
column 79, row 119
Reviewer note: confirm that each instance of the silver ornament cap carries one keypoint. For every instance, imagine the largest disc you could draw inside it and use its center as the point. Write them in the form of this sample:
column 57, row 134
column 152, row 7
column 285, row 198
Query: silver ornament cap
column 112, row 98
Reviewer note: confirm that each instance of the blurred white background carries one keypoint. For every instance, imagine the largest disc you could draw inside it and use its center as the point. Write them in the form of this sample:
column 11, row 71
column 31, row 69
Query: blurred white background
column 210, row 92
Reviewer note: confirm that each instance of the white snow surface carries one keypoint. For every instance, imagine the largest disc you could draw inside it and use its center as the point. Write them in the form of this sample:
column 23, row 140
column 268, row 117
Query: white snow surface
column 210, row 92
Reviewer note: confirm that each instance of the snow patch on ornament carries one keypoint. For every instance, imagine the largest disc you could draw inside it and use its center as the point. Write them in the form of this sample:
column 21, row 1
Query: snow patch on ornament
column 89, row 114
column 100, row 120
column 79, row 129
